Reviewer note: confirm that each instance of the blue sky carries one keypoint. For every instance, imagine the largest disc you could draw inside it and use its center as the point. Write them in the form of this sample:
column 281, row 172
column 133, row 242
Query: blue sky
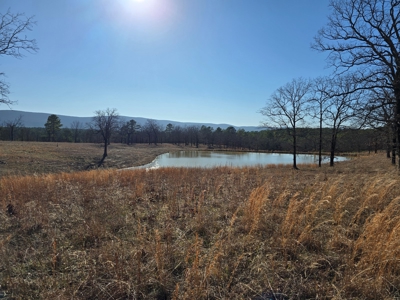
column 206, row 61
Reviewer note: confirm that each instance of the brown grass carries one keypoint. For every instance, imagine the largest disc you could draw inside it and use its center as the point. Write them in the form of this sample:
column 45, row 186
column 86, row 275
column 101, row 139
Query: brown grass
column 223, row 233
column 26, row 158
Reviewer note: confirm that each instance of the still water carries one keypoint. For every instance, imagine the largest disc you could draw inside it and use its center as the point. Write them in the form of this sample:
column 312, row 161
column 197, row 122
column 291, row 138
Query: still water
column 210, row 159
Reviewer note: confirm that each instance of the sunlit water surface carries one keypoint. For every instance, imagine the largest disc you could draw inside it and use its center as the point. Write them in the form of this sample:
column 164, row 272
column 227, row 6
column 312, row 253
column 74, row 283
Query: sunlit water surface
column 211, row 159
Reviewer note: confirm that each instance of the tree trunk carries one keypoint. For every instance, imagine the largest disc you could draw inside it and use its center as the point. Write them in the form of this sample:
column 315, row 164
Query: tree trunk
column 104, row 153
column 320, row 143
column 388, row 131
column 106, row 143
column 294, row 149
column 333, row 148
column 394, row 150
column 397, row 116
column 12, row 133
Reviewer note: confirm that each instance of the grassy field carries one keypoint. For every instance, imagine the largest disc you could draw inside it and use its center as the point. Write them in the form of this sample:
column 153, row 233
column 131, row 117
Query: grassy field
column 222, row 233
column 27, row 158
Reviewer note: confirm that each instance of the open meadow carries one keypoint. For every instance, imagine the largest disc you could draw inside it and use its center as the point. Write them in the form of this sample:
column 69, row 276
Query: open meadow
column 178, row 233
column 27, row 158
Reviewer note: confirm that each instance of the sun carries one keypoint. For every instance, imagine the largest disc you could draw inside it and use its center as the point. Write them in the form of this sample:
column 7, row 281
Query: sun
column 155, row 15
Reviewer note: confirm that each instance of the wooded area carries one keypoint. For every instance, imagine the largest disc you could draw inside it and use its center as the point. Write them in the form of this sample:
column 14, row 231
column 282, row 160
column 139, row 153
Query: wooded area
column 348, row 140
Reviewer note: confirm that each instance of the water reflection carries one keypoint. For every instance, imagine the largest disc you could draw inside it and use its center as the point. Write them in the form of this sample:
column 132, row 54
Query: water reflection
column 210, row 159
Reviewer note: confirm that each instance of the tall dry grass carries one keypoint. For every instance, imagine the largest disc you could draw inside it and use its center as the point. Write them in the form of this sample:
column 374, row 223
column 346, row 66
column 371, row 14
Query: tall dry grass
column 218, row 233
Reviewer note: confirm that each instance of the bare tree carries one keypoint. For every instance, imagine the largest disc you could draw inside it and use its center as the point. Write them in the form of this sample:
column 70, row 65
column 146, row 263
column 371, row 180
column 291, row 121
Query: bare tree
column 105, row 122
column 379, row 114
column 364, row 36
column 177, row 133
column 13, row 42
column 206, row 133
column 321, row 95
column 287, row 108
column 13, row 125
column 76, row 127
column 193, row 132
column 344, row 101
column 152, row 129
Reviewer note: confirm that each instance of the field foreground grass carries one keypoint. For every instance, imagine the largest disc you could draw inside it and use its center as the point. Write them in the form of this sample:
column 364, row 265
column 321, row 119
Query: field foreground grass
column 223, row 233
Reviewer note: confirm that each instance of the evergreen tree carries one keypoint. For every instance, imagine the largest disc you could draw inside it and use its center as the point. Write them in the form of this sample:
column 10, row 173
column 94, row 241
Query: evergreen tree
column 52, row 126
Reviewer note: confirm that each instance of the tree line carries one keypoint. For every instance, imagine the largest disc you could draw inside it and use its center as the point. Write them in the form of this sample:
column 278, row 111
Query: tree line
column 129, row 132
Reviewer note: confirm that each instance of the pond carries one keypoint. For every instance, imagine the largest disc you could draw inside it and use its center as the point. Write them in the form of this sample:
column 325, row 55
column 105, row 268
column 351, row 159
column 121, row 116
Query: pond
column 210, row 159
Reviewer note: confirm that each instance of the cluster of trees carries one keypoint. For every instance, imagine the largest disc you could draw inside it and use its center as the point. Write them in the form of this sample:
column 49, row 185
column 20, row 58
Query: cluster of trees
column 129, row 132
column 362, row 39
column 334, row 103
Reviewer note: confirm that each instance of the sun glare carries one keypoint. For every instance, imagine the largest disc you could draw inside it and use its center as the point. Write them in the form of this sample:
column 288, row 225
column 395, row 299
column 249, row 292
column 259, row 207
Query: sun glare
column 150, row 16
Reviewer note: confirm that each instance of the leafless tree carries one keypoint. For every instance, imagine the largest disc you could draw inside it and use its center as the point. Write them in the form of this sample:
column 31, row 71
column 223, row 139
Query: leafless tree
column 206, row 134
column 13, row 125
column 193, row 132
column 363, row 36
column 76, row 127
column 176, row 134
column 152, row 129
column 344, row 100
column 379, row 114
column 14, row 42
column 105, row 122
column 287, row 108
column 320, row 102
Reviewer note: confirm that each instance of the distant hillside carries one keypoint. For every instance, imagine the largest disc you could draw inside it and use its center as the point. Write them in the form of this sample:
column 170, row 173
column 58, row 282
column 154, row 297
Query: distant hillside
column 33, row 119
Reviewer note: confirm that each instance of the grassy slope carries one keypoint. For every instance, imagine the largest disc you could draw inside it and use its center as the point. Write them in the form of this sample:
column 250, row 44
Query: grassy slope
column 330, row 233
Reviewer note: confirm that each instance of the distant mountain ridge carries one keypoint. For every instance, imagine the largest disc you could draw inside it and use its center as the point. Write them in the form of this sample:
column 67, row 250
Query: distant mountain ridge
column 35, row 119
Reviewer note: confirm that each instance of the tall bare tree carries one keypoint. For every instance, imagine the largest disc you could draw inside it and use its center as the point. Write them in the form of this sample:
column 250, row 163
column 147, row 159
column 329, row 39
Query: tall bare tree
column 14, row 42
column 379, row 114
column 105, row 122
column 344, row 100
column 287, row 108
column 363, row 36
column 320, row 102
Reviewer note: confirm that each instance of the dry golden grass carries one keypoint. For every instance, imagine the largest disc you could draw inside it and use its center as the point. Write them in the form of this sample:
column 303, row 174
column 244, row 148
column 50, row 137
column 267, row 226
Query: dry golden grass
column 223, row 233
column 27, row 158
